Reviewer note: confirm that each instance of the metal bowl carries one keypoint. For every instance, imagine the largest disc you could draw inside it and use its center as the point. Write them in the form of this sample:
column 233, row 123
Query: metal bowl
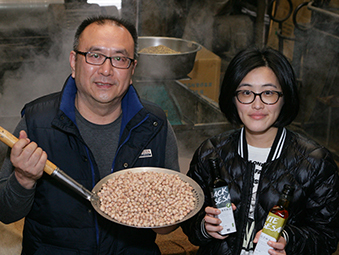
column 166, row 66
column 197, row 192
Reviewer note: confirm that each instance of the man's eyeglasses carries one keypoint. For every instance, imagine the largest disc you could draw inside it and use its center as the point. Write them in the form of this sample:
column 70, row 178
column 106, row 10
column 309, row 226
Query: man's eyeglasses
column 98, row 59
column 267, row 97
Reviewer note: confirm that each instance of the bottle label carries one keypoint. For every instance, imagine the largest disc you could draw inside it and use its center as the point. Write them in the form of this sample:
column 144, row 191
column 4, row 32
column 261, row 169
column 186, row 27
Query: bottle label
column 273, row 225
column 262, row 246
column 271, row 232
column 222, row 197
column 222, row 200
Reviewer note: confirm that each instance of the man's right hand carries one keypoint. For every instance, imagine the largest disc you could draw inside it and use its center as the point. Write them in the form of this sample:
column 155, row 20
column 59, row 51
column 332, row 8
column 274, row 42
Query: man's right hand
column 29, row 161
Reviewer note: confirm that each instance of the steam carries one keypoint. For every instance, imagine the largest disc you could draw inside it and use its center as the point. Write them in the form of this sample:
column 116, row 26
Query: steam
column 32, row 80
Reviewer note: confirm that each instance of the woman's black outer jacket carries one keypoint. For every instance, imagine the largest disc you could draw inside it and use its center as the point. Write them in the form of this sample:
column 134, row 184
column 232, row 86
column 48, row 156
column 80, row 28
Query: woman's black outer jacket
column 313, row 224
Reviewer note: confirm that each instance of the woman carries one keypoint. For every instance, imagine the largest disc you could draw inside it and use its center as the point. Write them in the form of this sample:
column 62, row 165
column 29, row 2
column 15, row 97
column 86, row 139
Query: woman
column 259, row 92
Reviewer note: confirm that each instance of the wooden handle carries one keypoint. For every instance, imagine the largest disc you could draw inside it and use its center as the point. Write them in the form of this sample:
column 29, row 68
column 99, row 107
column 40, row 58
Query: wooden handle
column 9, row 139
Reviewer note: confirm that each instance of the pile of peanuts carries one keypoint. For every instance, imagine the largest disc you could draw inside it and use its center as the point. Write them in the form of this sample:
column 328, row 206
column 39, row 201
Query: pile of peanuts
column 146, row 199
column 160, row 49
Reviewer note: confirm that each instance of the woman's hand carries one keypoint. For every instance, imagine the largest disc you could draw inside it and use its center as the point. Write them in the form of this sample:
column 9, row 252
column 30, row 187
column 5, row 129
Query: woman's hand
column 29, row 161
column 278, row 247
column 212, row 224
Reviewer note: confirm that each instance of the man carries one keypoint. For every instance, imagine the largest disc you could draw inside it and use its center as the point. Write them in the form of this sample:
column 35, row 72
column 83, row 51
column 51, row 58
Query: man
column 96, row 125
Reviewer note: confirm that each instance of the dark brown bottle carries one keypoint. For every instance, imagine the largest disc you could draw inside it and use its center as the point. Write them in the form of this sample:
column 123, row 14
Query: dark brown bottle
column 275, row 222
column 221, row 198
column 281, row 208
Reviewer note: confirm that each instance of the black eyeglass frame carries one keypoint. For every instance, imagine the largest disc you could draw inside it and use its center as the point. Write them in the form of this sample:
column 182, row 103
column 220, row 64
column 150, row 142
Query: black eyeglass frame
column 110, row 59
column 280, row 94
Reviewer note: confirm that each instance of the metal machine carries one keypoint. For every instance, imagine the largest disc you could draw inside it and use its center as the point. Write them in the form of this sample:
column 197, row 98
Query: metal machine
column 316, row 61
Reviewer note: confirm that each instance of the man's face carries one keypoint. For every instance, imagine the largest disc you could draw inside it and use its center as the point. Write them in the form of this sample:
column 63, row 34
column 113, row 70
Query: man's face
column 104, row 85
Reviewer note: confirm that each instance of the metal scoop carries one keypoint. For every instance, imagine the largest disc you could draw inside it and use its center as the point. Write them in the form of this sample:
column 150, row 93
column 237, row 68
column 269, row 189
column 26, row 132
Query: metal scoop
column 51, row 169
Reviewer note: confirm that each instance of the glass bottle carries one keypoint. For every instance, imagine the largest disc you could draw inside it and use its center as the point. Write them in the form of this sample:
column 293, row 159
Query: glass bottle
column 221, row 198
column 275, row 221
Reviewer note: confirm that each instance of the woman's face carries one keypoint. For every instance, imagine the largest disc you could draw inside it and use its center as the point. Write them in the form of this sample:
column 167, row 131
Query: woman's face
column 257, row 116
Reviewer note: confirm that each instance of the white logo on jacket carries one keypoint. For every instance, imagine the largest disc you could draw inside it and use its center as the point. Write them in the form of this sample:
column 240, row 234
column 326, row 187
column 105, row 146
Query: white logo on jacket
column 146, row 153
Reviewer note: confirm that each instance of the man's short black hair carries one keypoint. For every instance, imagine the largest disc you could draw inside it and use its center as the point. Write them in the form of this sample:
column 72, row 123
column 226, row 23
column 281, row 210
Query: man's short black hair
column 249, row 59
column 101, row 20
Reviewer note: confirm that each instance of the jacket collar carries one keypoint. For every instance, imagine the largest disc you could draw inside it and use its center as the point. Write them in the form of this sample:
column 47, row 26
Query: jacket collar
column 130, row 103
column 276, row 148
